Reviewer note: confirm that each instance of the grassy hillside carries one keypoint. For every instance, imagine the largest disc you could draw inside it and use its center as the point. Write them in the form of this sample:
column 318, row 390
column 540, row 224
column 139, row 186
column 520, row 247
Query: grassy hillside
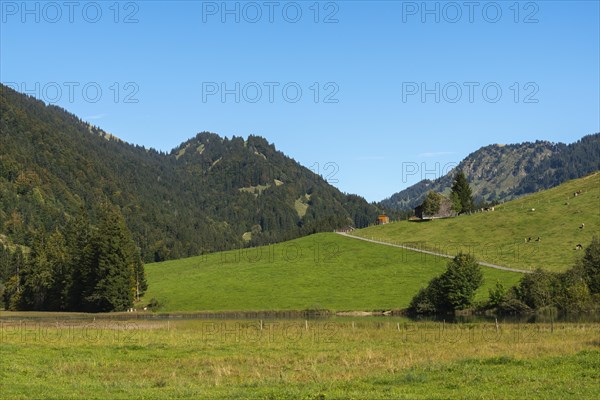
column 500, row 237
column 320, row 271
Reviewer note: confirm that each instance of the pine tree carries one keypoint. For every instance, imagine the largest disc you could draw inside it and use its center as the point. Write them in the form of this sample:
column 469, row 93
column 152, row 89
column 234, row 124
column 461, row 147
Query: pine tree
column 36, row 276
column 60, row 267
column 4, row 263
column 110, row 281
column 462, row 196
column 139, row 275
column 79, row 236
column 461, row 280
column 13, row 290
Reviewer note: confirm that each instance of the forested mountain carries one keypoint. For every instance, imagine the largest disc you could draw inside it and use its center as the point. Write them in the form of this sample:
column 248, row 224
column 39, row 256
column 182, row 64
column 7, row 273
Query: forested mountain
column 208, row 194
column 502, row 172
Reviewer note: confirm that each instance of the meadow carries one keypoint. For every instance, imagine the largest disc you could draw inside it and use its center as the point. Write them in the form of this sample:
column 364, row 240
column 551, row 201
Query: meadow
column 500, row 237
column 147, row 356
column 340, row 358
column 321, row 271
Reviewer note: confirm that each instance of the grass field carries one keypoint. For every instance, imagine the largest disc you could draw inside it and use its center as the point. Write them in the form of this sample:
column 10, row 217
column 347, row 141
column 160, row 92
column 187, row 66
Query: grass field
column 499, row 237
column 319, row 271
column 334, row 359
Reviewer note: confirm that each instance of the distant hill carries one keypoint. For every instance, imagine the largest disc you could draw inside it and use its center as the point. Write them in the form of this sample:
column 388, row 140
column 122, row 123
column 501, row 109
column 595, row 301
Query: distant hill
column 503, row 172
column 208, row 194
column 501, row 237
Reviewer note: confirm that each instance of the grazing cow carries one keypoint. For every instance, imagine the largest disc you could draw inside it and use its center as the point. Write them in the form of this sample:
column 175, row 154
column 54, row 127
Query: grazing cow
column 539, row 239
column 533, row 209
column 578, row 247
column 582, row 226
column 528, row 239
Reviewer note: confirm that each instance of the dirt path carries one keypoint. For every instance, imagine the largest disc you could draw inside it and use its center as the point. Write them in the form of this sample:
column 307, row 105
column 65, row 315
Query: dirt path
column 485, row 264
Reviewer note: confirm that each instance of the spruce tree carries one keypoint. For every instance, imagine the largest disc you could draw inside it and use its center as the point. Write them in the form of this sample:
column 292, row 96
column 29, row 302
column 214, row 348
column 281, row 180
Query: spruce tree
column 139, row 275
column 110, row 281
column 462, row 196
column 13, row 290
column 59, row 265
column 590, row 264
column 36, row 276
column 4, row 263
column 79, row 248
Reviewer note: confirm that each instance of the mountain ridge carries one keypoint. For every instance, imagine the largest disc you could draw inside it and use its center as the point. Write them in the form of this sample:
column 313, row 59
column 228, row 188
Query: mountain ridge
column 502, row 172
column 225, row 194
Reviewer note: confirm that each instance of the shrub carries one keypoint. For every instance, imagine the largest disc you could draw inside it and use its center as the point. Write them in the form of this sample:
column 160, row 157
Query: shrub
column 538, row 289
column 451, row 291
column 154, row 304
column 576, row 290
column 497, row 294
column 421, row 303
column 511, row 304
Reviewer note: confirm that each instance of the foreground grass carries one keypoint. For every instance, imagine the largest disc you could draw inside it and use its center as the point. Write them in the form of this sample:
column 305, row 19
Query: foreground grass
column 319, row 271
column 500, row 237
column 385, row 358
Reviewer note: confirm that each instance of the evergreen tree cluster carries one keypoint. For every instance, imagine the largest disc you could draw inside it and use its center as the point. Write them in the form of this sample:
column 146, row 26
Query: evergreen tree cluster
column 79, row 268
column 566, row 162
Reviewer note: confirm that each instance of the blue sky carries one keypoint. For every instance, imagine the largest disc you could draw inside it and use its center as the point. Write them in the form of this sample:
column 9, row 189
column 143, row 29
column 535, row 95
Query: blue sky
column 391, row 91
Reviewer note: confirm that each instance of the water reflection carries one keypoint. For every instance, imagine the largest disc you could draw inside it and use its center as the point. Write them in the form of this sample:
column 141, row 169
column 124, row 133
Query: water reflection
column 299, row 315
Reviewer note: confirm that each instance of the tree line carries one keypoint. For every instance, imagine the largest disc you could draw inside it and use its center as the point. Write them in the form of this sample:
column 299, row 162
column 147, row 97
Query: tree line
column 79, row 267
column 575, row 290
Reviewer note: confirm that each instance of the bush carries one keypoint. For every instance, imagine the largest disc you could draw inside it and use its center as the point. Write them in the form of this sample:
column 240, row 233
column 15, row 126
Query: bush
column 497, row 294
column 511, row 304
column 538, row 289
column 154, row 304
column 576, row 290
column 451, row 291
column 421, row 303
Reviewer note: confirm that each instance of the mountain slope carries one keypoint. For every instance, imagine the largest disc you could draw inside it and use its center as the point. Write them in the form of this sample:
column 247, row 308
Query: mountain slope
column 504, row 172
column 555, row 216
column 208, row 194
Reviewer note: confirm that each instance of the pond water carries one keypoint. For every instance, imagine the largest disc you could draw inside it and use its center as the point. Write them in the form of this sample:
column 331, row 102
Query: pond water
column 294, row 315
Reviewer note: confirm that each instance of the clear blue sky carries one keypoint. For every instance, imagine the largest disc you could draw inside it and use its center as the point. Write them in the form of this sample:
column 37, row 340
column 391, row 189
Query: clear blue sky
column 373, row 58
